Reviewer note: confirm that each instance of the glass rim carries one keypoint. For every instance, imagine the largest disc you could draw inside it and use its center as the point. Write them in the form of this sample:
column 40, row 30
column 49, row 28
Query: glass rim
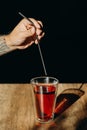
column 43, row 77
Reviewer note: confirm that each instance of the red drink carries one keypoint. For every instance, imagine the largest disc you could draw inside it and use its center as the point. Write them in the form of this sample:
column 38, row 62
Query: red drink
column 45, row 89
column 45, row 101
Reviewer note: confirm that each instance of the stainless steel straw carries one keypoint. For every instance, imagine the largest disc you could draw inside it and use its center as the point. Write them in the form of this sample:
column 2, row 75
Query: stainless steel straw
column 37, row 44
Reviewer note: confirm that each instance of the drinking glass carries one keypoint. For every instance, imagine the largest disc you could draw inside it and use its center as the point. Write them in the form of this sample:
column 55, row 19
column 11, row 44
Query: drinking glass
column 45, row 91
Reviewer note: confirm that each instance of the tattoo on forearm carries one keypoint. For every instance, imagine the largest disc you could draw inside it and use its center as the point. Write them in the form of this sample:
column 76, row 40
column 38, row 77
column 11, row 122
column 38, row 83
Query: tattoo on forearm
column 3, row 47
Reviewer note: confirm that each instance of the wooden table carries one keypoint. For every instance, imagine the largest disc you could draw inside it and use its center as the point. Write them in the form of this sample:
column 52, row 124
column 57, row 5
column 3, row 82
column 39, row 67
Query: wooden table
column 17, row 110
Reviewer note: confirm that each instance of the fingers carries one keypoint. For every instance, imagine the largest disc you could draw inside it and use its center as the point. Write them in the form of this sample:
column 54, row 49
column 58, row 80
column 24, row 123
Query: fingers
column 33, row 33
column 38, row 24
column 30, row 31
column 24, row 46
column 39, row 38
column 36, row 32
column 39, row 33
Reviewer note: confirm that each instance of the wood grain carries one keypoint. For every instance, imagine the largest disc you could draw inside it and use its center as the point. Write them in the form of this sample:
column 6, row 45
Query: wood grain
column 17, row 109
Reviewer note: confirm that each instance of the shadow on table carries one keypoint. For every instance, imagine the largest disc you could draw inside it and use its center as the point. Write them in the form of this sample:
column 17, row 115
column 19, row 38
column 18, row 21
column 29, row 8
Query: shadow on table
column 66, row 99
column 82, row 124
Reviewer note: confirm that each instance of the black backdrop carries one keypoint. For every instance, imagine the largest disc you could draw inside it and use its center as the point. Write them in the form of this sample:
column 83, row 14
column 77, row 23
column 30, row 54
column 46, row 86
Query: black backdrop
column 63, row 47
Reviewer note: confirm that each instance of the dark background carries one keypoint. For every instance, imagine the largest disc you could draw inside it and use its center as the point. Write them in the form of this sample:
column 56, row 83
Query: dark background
column 64, row 46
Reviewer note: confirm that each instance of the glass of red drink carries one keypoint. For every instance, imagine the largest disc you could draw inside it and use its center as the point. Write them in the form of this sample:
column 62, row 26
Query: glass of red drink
column 45, row 89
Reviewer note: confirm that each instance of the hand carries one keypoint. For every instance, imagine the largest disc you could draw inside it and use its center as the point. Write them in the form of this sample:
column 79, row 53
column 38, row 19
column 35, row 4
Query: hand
column 25, row 34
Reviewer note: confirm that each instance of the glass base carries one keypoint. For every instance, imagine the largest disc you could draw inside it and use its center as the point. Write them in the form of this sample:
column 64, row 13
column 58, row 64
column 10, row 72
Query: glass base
column 45, row 120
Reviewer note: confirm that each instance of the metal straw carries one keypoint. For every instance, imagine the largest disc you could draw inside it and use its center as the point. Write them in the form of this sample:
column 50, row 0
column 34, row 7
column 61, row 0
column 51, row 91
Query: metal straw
column 37, row 44
column 81, row 85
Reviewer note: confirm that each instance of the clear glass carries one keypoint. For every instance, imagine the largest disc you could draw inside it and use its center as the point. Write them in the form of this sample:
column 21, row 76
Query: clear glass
column 45, row 89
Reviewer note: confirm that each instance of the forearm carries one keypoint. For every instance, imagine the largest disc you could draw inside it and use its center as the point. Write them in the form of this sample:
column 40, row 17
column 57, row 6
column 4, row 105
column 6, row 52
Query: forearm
column 3, row 46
